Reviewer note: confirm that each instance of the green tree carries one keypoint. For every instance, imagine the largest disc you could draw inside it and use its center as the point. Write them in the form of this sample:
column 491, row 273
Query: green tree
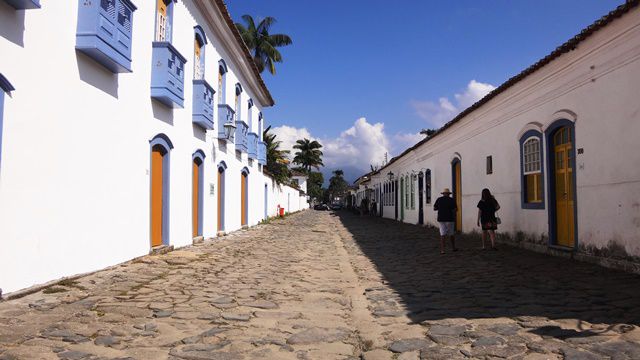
column 314, row 185
column 338, row 186
column 277, row 160
column 308, row 155
column 262, row 44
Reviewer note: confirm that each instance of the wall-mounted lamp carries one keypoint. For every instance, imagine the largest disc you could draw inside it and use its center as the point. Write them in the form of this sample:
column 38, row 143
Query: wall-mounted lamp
column 390, row 175
column 229, row 128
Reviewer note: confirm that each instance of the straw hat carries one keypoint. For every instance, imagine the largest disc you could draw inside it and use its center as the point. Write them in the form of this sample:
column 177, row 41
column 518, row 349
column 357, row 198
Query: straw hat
column 446, row 191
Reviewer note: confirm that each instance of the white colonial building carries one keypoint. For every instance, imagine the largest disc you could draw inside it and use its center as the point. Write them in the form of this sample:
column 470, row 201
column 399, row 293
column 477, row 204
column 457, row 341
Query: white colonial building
column 125, row 125
column 557, row 145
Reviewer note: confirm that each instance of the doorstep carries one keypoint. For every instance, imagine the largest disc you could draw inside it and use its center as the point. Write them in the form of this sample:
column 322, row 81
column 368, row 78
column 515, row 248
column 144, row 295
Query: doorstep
column 159, row 250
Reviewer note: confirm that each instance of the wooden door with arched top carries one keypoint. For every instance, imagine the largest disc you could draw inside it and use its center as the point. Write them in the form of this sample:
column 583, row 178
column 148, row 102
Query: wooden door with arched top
column 157, row 194
column 564, row 191
column 243, row 199
column 457, row 191
column 196, row 200
column 220, row 199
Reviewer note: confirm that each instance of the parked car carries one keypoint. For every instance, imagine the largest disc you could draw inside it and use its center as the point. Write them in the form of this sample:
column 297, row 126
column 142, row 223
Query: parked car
column 321, row 207
column 336, row 206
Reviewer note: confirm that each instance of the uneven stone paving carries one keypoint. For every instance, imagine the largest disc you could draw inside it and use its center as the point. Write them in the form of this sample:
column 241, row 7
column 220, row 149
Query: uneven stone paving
column 320, row 286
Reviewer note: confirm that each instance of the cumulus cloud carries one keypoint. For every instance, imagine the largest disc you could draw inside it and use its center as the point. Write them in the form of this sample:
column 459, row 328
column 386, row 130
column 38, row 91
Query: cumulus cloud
column 438, row 113
column 353, row 151
column 402, row 141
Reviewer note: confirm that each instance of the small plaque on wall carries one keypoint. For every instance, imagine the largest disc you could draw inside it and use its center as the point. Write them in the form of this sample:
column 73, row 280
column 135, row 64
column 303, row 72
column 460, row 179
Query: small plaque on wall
column 212, row 189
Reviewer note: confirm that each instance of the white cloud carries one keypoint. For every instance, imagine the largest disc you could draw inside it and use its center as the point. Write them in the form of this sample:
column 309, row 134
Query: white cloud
column 288, row 135
column 402, row 141
column 438, row 113
column 353, row 151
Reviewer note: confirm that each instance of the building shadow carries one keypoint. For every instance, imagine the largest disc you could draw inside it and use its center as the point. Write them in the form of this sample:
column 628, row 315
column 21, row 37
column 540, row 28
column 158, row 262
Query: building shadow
column 12, row 24
column 162, row 112
column 97, row 76
column 199, row 133
column 473, row 283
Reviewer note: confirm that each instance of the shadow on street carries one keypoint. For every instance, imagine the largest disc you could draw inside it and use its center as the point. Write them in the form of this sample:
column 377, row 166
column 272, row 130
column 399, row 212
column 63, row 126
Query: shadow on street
column 473, row 283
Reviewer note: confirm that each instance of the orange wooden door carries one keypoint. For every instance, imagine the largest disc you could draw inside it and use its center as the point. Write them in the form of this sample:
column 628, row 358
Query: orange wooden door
column 156, row 197
column 220, row 198
column 243, row 199
column 195, row 201
column 458, row 195
column 565, row 231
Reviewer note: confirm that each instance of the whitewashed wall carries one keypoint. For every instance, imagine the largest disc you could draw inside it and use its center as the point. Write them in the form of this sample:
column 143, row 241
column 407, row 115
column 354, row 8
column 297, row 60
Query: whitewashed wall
column 596, row 86
column 74, row 176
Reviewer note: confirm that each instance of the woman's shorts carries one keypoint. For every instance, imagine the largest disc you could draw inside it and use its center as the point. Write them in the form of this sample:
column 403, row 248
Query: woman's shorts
column 447, row 228
column 490, row 225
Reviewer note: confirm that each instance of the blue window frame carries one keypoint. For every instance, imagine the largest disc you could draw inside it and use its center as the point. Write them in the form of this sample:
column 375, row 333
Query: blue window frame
column 203, row 92
column 104, row 32
column 167, row 73
column 24, row 4
column 5, row 86
column 531, row 170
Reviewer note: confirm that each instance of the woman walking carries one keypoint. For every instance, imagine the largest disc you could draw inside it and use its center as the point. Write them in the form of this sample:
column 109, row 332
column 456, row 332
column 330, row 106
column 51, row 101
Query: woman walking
column 487, row 207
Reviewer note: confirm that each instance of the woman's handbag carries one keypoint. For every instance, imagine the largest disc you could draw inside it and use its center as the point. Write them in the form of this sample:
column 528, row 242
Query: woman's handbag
column 498, row 221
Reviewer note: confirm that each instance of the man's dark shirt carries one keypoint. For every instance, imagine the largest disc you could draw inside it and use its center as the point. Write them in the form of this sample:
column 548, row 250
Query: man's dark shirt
column 446, row 207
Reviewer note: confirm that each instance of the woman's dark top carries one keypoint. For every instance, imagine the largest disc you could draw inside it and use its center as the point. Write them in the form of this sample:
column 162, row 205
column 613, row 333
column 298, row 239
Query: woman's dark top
column 488, row 211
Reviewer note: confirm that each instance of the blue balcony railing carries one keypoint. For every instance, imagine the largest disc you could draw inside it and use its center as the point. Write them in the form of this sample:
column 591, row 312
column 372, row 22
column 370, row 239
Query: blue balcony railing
column 262, row 153
column 252, row 143
column 104, row 32
column 203, row 104
column 226, row 122
column 242, row 130
column 24, row 4
column 167, row 75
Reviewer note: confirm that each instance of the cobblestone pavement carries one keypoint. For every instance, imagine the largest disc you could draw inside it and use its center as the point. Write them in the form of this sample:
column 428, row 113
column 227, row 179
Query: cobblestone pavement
column 320, row 286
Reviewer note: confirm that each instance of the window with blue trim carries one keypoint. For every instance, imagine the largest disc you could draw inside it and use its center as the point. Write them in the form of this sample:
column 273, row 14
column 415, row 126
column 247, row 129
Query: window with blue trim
column 222, row 82
column 531, row 170
column 164, row 20
column 5, row 86
column 104, row 32
column 198, row 54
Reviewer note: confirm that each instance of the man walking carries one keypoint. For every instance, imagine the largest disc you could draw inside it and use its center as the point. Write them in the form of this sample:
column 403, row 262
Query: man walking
column 446, row 208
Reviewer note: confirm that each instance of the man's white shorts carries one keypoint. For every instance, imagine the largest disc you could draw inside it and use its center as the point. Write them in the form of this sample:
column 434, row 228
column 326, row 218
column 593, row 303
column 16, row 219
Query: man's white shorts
column 447, row 228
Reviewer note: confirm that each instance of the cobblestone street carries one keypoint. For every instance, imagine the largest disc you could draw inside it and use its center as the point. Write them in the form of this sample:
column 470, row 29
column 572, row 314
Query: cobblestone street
column 317, row 285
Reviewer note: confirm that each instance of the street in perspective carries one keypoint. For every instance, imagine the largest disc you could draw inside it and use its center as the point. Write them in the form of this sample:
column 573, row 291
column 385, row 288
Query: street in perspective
column 311, row 180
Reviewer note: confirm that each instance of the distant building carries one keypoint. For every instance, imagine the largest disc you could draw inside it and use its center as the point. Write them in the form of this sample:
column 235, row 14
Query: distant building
column 124, row 126
column 556, row 144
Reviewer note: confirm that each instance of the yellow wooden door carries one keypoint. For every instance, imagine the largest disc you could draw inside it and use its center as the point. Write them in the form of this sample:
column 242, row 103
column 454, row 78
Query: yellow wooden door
column 220, row 198
column 458, row 195
column 156, row 197
column 565, row 232
column 195, row 200
column 243, row 199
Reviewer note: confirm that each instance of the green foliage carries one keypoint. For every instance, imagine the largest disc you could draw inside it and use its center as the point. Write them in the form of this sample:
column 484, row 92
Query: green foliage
column 262, row 44
column 337, row 185
column 277, row 160
column 308, row 155
column 314, row 185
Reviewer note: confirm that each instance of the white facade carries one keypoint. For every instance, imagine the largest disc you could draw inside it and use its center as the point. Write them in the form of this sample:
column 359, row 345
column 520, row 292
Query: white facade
column 76, row 160
column 592, row 90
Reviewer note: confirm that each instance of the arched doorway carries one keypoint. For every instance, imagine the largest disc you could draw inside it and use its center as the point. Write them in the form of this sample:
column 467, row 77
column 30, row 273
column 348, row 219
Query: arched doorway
column 197, row 185
column 244, row 197
column 402, row 198
column 562, row 196
column 456, row 181
column 159, row 190
column 421, row 198
column 221, row 192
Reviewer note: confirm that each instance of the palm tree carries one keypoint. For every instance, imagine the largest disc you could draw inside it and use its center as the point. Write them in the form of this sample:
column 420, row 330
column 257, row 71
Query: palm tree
column 277, row 160
column 308, row 155
column 261, row 43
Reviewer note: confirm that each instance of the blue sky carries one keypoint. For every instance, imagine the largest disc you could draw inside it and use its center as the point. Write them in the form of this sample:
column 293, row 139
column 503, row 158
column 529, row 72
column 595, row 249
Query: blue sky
column 400, row 64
